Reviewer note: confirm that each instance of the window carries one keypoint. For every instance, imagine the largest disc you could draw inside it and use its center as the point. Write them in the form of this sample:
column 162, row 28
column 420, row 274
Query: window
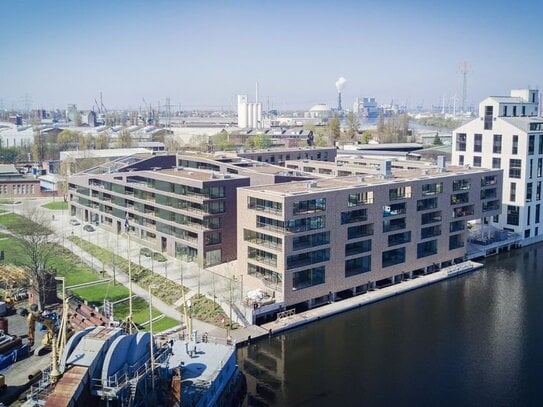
column 497, row 144
column 394, row 209
column 269, row 277
column 305, row 241
column 491, row 205
column 539, row 166
column 538, row 191
column 457, row 226
column 355, row 232
column 512, row 215
column 360, row 198
column 213, row 257
column 262, row 239
column 262, row 256
column 430, row 217
column 426, row 249
column 489, row 180
column 540, row 148
column 430, row 231
column 514, row 111
column 467, row 210
column 460, row 198
column 476, row 161
column 489, row 193
column 528, row 215
column 357, row 266
column 496, row 162
column 489, row 111
column 358, row 215
column 362, row 246
column 529, row 188
column 307, row 258
column 460, row 160
column 399, row 193
column 305, row 224
column 515, row 167
column 428, row 203
column 478, row 143
column 264, row 205
column 432, row 189
column 390, row 225
column 456, row 241
column 531, row 144
column 461, row 185
column 399, row 238
column 531, row 168
column 308, row 278
column 460, row 141
column 515, row 145
column 309, row 206
column 537, row 210
column 505, row 110
column 393, row 257
column 527, row 233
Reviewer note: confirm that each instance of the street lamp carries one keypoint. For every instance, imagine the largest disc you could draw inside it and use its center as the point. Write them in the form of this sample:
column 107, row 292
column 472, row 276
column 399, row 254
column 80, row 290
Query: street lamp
column 189, row 304
column 151, row 344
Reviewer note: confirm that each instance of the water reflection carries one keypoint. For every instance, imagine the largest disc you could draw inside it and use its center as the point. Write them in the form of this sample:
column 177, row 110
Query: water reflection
column 474, row 340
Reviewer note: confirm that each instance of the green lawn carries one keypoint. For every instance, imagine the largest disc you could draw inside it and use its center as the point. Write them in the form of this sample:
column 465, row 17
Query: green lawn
column 164, row 324
column 96, row 294
column 57, row 206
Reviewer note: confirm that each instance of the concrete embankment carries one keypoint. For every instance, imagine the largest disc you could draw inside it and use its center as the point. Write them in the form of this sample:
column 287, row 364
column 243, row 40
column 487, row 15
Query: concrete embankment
column 251, row 333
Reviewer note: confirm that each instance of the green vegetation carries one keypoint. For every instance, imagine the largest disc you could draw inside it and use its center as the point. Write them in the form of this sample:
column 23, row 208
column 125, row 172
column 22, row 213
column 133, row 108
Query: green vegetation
column 168, row 291
column 259, row 141
column 159, row 257
column 56, row 206
column 165, row 289
column 441, row 122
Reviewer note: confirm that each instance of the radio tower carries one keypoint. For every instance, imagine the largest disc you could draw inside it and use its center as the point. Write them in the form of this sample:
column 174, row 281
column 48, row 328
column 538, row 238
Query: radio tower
column 464, row 70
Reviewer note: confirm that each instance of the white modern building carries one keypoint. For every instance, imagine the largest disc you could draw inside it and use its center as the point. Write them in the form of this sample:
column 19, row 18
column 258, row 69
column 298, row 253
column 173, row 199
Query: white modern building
column 508, row 134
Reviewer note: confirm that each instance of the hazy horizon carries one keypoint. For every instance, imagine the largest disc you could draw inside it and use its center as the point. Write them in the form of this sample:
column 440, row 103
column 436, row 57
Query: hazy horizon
column 202, row 55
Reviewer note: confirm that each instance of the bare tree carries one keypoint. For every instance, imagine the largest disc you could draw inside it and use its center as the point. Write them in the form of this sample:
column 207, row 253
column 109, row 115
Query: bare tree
column 37, row 239
column 124, row 139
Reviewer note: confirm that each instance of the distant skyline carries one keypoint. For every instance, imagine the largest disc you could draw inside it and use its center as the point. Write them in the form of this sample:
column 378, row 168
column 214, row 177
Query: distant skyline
column 202, row 54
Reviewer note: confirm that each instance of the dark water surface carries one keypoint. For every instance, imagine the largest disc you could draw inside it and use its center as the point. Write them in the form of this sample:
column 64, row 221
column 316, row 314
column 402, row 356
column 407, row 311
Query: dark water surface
column 476, row 340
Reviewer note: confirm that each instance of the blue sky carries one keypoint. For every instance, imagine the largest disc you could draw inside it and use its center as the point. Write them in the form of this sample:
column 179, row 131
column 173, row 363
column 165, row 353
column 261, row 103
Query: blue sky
column 202, row 53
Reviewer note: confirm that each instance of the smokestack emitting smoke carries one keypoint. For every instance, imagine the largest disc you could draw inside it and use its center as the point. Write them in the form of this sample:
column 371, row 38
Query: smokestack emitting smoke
column 340, row 84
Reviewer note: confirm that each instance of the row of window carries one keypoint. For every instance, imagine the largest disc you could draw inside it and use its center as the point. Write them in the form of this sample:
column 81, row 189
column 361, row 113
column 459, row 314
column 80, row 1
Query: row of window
column 497, row 143
column 18, row 189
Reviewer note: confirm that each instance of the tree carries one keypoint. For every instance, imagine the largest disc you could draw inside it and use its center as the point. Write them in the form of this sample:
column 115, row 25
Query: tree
column 86, row 142
column 320, row 141
column 39, row 148
column 222, row 140
column 36, row 238
column 67, row 140
column 437, row 140
column 366, row 137
column 172, row 144
column 102, row 140
column 259, row 141
column 334, row 130
column 124, row 139
column 352, row 126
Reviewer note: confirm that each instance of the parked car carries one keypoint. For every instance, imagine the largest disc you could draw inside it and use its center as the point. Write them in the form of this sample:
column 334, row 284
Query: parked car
column 88, row 228
column 74, row 222
column 159, row 257
column 144, row 251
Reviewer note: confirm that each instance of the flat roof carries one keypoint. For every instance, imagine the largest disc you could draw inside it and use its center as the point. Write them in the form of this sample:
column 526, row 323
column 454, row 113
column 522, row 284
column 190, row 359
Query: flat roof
column 338, row 183
column 191, row 173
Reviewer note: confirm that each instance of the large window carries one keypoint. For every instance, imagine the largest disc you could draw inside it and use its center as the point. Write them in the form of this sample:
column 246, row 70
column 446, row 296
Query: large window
column 460, row 141
column 476, row 161
column 497, row 144
column 531, row 144
column 529, row 190
column 307, row 258
column 426, row 249
column 460, row 198
column 489, row 193
column 399, row 238
column 270, row 278
column 513, row 192
column 362, row 246
column 262, row 239
column 461, row 185
column 515, row 167
column 394, row 209
column 428, row 203
column 309, row 206
column 430, row 231
column 393, row 257
column 489, row 111
column 478, row 143
column 390, row 225
column 355, row 232
column 262, row 256
column 467, row 210
column 489, row 180
column 358, row 215
column 308, row 278
column 496, row 162
column 432, row 189
column 305, row 241
column 430, row 217
column 457, row 226
column 456, row 241
column 305, row 224
column 264, row 205
column 360, row 198
column 357, row 266
column 514, row 150
column 513, row 215
column 399, row 193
